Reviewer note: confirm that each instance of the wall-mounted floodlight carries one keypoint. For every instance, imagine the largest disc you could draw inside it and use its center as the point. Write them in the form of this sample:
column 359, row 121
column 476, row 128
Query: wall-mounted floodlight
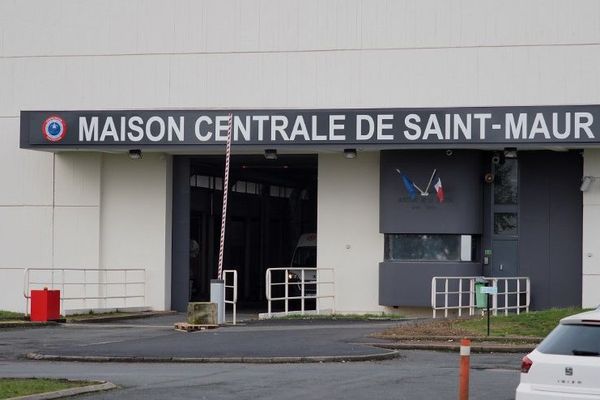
column 510, row 152
column 586, row 182
column 350, row 153
column 271, row 154
column 135, row 154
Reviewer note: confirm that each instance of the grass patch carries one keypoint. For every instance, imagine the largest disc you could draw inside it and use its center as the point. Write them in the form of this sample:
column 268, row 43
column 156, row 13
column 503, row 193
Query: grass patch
column 538, row 323
column 10, row 316
column 347, row 317
column 13, row 387
column 533, row 324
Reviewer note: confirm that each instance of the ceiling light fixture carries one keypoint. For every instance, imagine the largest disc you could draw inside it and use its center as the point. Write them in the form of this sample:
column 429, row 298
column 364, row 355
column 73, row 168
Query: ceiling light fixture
column 271, row 154
column 350, row 153
column 135, row 154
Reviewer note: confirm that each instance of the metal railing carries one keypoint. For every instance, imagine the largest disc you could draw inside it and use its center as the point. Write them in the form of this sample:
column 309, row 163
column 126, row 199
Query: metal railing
column 75, row 283
column 299, row 287
column 232, row 273
column 458, row 293
column 522, row 288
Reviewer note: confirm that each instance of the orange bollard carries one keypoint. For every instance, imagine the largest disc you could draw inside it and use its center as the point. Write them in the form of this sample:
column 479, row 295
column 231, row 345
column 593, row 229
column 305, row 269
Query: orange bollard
column 465, row 366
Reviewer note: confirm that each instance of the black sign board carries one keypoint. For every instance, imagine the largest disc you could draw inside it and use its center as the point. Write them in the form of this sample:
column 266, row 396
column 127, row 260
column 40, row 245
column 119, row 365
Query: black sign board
column 422, row 127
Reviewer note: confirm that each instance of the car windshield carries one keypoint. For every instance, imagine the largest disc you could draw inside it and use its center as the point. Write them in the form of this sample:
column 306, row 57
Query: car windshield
column 572, row 339
column 305, row 257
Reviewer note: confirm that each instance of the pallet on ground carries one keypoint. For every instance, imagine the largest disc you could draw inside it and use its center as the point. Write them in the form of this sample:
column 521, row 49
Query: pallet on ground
column 185, row 327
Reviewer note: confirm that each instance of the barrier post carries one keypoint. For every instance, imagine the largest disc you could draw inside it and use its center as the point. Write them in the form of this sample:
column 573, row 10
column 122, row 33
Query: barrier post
column 465, row 366
column 217, row 296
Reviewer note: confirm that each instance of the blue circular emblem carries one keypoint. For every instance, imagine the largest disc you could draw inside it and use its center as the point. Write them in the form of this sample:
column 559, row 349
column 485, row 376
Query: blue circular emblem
column 54, row 128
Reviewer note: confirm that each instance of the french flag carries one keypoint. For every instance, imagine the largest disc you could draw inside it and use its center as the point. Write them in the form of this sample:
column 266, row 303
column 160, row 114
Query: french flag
column 439, row 190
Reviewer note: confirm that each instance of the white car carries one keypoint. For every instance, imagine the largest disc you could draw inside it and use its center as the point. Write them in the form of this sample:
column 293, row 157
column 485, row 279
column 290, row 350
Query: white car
column 566, row 365
column 305, row 258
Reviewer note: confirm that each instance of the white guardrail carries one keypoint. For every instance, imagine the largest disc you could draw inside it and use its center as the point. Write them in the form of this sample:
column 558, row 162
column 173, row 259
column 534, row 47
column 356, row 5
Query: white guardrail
column 231, row 276
column 300, row 288
column 459, row 293
column 105, row 288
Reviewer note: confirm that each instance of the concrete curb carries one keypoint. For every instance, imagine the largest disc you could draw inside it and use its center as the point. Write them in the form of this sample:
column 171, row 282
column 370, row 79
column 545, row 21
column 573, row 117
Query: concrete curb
column 99, row 387
column 475, row 348
column 219, row 360
column 26, row 324
column 98, row 318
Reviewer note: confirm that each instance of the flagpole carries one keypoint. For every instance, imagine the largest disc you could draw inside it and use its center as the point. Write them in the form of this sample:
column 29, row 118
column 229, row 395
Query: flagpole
column 431, row 180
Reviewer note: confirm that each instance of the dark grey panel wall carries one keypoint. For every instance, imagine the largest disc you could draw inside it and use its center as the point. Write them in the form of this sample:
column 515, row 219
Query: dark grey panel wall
column 409, row 284
column 550, row 236
column 461, row 175
column 180, row 278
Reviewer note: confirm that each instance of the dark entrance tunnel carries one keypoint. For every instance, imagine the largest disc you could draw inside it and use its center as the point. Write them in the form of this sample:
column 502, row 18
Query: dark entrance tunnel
column 270, row 204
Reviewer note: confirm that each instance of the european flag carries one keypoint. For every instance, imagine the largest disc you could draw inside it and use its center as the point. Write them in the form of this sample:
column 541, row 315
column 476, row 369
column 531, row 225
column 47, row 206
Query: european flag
column 410, row 187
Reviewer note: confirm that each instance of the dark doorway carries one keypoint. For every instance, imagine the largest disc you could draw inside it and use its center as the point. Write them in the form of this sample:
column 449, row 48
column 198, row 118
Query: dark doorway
column 271, row 203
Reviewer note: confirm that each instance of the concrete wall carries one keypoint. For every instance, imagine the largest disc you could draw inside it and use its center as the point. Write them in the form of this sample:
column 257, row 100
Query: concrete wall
column 348, row 229
column 103, row 211
column 591, row 231
column 50, row 216
column 135, row 220
column 296, row 53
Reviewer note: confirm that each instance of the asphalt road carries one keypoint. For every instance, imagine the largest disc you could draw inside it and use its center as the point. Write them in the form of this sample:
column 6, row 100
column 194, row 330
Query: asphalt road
column 156, row 338
column 416, row 375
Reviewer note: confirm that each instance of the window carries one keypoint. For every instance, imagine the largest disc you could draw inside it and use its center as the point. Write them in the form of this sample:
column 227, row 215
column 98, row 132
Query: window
column 247, row 187
column 280, row 191
column 506, row 187
column 435, row 247
column 578, row 340
column 209, row 182
column 505, row 224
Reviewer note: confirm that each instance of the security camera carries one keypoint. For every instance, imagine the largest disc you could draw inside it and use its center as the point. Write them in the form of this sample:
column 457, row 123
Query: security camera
column 448, row 152
column 498, row 158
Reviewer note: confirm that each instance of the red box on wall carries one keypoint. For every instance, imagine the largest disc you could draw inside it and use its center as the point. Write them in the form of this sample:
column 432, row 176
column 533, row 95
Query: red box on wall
column 45, row 305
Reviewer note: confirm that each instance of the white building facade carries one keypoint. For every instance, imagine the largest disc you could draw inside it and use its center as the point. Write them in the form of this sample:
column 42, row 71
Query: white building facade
column 92, row 207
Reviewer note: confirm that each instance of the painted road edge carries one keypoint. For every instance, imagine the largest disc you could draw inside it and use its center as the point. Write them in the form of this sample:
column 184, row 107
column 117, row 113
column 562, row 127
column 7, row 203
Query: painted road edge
column 98, row 387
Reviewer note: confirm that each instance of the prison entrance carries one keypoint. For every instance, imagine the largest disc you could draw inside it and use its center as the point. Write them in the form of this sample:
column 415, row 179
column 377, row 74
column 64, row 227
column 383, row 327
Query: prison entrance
column 272, row 202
